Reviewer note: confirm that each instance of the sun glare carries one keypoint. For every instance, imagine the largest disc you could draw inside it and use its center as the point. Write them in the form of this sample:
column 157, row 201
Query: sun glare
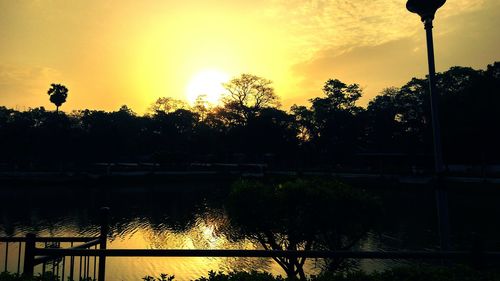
column 206, row 82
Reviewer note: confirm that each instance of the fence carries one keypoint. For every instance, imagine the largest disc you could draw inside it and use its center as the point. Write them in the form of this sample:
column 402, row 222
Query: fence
column 29, row 261
column 92, row 253
column 85, row 267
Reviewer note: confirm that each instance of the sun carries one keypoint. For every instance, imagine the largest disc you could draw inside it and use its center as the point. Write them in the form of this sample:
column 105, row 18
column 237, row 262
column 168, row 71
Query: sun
column 207, row 82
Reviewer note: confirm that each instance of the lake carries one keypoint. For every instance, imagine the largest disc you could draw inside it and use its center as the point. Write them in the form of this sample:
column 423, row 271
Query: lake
column 190, row 215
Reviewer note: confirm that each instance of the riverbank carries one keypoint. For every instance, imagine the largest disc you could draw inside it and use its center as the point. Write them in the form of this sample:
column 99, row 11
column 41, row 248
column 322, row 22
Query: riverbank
column 51, row 178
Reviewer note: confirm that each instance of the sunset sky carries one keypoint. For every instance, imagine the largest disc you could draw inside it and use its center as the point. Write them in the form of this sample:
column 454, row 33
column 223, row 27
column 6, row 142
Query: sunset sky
column 110, row 53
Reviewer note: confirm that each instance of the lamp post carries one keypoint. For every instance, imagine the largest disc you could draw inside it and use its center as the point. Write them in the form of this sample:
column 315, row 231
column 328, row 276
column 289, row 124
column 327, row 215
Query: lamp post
column 426, row 10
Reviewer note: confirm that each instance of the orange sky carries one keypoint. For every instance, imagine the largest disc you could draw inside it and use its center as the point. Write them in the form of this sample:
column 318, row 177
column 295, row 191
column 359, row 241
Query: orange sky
column 110, row 53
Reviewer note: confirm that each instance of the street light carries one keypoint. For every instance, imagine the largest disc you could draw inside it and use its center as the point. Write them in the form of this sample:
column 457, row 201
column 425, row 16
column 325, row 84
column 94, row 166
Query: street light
column 426, row 10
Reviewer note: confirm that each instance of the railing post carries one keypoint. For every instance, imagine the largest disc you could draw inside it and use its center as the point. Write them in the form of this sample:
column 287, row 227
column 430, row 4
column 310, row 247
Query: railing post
column 477, row 251
column 104, row 217
column 29, row 255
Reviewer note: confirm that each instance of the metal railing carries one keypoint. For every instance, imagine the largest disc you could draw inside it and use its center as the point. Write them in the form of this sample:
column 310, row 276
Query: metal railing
column 26, row 254
column 13, row 249
column 20, row 256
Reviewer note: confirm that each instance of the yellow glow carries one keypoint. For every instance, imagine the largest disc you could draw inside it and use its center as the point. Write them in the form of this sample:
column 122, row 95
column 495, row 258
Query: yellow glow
column 136, row 51
column 206, row 82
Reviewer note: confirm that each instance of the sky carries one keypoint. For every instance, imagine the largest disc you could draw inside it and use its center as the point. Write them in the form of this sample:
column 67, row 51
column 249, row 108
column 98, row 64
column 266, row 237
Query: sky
column 114, row 52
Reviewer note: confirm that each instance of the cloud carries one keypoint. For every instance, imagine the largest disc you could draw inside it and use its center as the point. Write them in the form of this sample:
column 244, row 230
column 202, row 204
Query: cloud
column 316, row 25
column 25, row 85
column 377, row 57
column 374, row 67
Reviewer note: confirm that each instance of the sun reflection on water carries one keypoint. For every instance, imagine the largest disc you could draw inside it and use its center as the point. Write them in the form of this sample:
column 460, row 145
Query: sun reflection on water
column 203, row 228
column 208, row 230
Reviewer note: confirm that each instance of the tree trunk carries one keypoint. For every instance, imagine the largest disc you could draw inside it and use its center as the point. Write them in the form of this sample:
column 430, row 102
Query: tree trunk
column 302, row 275
column 299, row 269
column 290, row 273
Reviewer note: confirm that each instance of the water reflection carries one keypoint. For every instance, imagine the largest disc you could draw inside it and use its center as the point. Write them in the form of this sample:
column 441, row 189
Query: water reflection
column 139, row 221
column 207, row 230
column 174, row 216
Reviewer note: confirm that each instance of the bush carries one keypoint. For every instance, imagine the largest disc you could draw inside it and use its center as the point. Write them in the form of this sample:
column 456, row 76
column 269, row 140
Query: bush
column 47, row 276
column 240, row 276
column 415, row 273
column 407, row 273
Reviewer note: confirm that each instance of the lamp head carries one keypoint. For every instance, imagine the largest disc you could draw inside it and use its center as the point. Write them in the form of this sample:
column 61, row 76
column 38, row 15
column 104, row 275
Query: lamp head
column 424, row 8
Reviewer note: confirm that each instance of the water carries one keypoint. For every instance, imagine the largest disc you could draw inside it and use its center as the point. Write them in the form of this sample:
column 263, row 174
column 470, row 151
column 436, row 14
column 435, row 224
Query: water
column 191, row 216
column 172, row 216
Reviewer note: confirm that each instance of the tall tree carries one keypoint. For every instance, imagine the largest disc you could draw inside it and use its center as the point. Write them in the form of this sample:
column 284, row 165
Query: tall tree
column 202, row 107
column 166, row 105
column 248, row 94
column 58, row 94
column 340, row 96
column 331, row 124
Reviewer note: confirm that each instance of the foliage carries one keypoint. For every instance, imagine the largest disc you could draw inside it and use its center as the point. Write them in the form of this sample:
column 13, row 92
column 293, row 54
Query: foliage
column 332, row 125
column 398, row 120
column 58, row 94
column 202, row 107
column 339, row 96
column 163, row 277
column 249, row 127
column 407, row 273
column 415, row 273
column 240, row 276
column 166, row 105
column 47, row 276
column 247, row 95
column 302, row 215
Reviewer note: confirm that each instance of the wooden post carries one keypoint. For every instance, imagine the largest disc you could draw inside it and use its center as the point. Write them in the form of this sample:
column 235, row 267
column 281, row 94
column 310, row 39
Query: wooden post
column 29, row 255
column 104, row 217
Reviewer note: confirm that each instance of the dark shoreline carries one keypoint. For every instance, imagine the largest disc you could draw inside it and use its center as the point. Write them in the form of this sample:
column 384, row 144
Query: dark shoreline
column 206, row 180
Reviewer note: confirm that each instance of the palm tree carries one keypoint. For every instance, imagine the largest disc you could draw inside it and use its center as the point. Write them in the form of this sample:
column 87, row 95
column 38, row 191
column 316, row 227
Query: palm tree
column 58, row 94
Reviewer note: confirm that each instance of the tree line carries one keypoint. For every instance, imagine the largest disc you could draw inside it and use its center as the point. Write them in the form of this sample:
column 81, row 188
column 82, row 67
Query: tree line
column 332, row 131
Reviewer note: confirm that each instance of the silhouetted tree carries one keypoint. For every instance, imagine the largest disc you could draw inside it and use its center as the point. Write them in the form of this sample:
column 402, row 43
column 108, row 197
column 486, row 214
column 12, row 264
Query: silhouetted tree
column 305, row 121
column 302, row 215
column 397, row 123
column 331, row 125
column 469, row 114
column 166, row 105
column 247, row 94
column 398, row 120
column 202, row 107
column 174, row 133
column 58, row 94
column 331, row 132
column 339, row 96
column 386, row 122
